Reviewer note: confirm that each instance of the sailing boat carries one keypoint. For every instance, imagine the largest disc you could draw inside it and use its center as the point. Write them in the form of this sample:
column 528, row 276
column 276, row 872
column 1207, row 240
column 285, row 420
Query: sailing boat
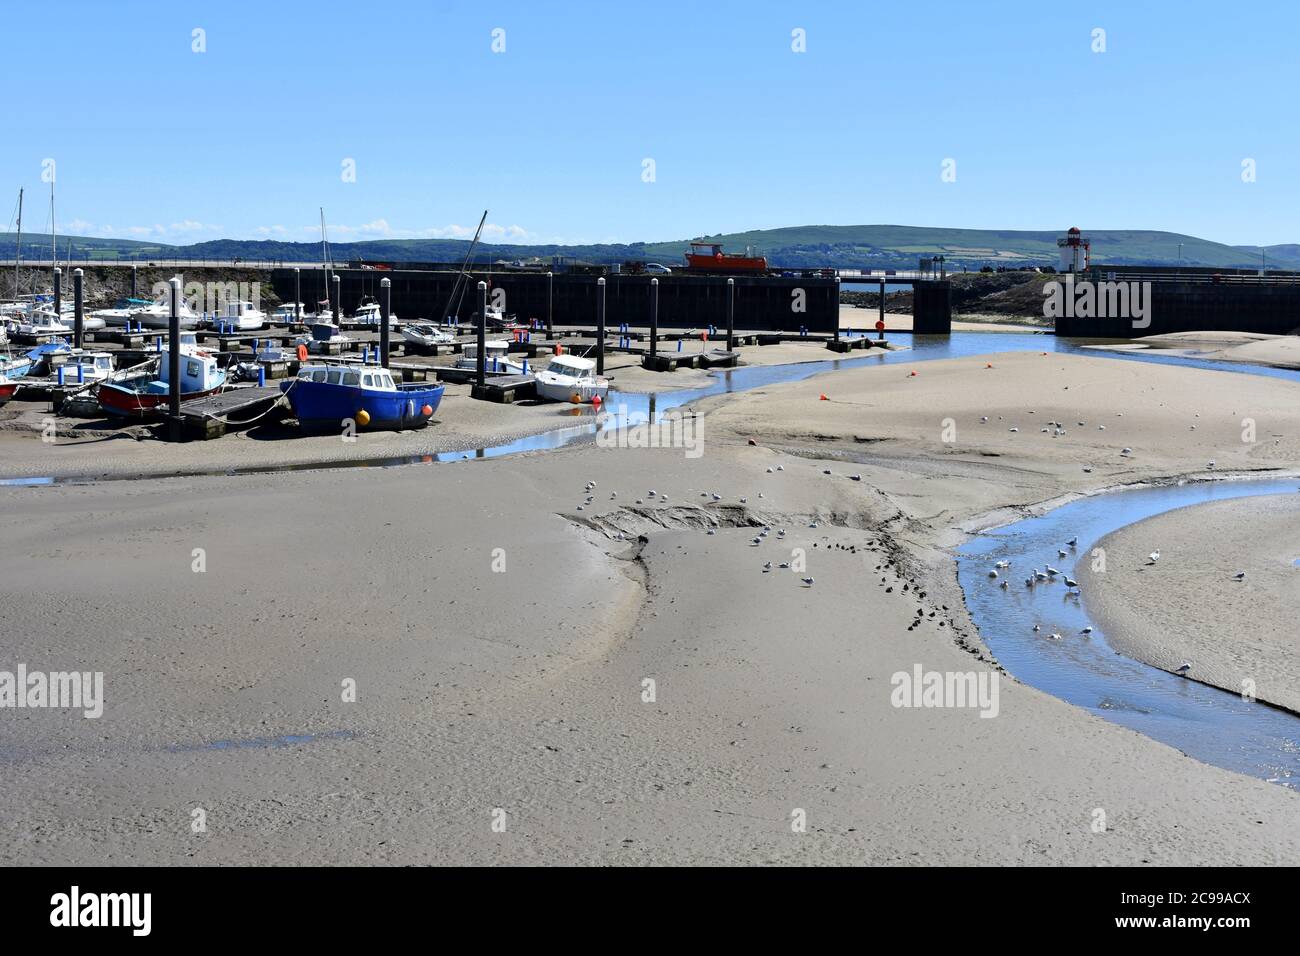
column 16, row 306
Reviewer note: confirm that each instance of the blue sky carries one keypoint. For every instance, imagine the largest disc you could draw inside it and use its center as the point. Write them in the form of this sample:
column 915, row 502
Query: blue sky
column 248, row 139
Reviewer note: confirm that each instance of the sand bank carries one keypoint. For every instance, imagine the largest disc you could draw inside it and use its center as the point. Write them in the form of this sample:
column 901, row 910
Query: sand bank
column 1187, row 606
column 1279, row 351
column 525, row 689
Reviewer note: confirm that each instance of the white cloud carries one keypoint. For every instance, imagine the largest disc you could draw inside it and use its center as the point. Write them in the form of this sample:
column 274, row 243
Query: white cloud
column 381, row 229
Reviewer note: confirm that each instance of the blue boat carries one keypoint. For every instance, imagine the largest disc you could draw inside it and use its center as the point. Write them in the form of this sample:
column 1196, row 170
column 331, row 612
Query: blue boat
column 326, row 397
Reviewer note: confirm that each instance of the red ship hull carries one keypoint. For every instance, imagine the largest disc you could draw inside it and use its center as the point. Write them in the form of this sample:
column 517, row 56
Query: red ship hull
column 725, row 263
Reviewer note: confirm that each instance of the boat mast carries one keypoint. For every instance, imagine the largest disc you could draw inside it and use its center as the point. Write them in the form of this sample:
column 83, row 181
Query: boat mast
column 324, row 259
column 54, row 242
column 461, row 276
column 18, row 248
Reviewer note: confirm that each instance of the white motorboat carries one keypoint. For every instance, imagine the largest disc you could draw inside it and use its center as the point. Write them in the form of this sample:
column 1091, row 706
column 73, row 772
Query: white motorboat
column 496, row 357
column 370, row 313
column 570, row 378
column 427, row 336
column 240, row 315
column 158, row 315
column 322, row 334
column 189, row 346
column 290, row 312
column 43, row 322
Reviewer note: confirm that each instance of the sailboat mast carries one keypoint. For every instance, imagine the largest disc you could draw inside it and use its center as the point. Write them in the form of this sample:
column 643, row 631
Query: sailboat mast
column 18, row 248
column 54, row 242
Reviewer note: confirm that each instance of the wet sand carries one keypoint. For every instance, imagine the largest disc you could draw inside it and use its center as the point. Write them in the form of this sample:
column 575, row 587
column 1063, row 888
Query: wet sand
column 1188, row 607
column 524, row 689
column 1279, row 351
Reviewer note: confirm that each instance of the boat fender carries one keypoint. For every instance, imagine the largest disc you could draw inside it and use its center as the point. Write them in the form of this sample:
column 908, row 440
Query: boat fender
column 427, row 411
column 302, row 352
column 363, row 417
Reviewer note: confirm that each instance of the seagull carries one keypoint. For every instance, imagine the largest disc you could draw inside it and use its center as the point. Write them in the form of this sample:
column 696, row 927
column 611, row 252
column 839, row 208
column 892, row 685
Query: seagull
column 756, row 542
column 1087, row 630
column 1029, row 582
column 1154, row 556
column 1070, row 582
column 1013, row 429
column 613, row 495
column 1037, row 628
column 711, row 531
column 1239, row 576
column 993, row 574
column 1211, row 462
column 855, row 477
column 1051, row 570
column 717, row 497
column 807, row 582
column 1003, row 585
column 1002, row 564
column 1183, row 668
column 1072, row 542
column 1061, row 553
column 785, row 565
column 1054, row 636
column 1126, row 451
column 768, row 566
column 652, row 494
column 984, row 418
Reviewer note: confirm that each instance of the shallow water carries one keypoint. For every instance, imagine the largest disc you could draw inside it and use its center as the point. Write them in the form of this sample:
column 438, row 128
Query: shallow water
column 630, row 408
column 1211, row 725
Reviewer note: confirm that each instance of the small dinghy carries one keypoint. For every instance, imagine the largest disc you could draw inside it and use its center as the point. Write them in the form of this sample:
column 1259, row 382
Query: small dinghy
column 7, row 388
column 326, row 397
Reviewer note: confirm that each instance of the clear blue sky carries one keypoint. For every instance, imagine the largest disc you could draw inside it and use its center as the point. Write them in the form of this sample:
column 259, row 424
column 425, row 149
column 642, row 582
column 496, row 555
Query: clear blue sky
column 247, row 139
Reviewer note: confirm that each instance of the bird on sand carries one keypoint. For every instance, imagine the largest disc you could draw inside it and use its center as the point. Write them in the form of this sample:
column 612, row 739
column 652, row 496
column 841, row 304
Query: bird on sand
column 1183, row 668
column 1154, row 556
column 807, row 582
column 768, row 566
column 1239, row 576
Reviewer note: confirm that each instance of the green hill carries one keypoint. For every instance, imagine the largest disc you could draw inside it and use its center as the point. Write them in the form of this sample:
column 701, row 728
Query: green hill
column 877, row 246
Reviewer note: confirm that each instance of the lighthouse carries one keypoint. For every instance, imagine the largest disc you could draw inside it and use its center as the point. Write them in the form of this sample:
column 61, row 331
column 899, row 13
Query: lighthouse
column 1076, row 251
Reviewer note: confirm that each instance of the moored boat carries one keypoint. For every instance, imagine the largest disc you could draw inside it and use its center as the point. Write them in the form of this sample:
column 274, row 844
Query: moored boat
column 7, row 388
column 146, row 394
column 571, row 378
column 496, row 358
column 326, row 397
column 426, row 336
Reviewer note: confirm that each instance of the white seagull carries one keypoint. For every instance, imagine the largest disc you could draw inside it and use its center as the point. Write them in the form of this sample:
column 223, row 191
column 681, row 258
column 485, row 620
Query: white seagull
column 1154, row 556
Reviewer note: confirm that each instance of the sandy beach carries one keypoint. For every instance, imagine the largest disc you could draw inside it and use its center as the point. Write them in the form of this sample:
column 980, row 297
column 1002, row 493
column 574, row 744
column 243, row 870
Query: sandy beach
column 593, row 666
column 1188, row 605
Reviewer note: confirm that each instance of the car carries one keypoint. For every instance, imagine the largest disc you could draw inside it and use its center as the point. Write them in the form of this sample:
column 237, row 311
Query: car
column 655, row 268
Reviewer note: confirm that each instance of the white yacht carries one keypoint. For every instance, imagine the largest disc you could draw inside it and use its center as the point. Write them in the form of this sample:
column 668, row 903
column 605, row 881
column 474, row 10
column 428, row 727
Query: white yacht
column 158, row 315
column 43, row 322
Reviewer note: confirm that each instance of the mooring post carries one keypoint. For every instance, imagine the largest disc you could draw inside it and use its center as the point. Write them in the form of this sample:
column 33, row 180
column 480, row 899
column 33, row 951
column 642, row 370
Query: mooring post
column 174, row 360
column 550, row 319
column 337, row 307
column 132, row 285
column 385, row 310
column 600, row 326
column 731, row 312
column 79, row 319
column 297, row 294
column 880, row 328
column 58, row 292
column 837, row 308
column 654, row 318
column 480, row 361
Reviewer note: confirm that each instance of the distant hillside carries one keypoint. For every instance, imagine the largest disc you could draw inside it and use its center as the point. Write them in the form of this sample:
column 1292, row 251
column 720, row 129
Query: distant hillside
column 794, row 246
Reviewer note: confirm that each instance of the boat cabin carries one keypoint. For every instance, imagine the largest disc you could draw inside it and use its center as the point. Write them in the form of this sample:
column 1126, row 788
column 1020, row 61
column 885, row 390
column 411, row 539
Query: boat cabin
column 375, row 379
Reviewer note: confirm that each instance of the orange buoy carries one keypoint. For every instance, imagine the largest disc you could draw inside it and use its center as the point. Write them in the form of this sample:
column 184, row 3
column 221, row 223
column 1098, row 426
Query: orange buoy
column 823, row 398
column 988, row 364
column 426, row 410
column 595, row 400
column 363, row 417
column 913, row 373
column 559, row 349
column 575, row 398
column 302, row 353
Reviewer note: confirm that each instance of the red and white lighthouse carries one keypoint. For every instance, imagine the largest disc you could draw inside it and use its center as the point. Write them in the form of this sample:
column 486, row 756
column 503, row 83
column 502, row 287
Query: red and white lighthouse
column 1076, row 251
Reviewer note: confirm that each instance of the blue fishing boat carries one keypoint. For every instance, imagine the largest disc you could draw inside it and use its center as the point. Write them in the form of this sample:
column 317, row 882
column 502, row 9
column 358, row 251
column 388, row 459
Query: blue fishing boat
column 325, row 397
